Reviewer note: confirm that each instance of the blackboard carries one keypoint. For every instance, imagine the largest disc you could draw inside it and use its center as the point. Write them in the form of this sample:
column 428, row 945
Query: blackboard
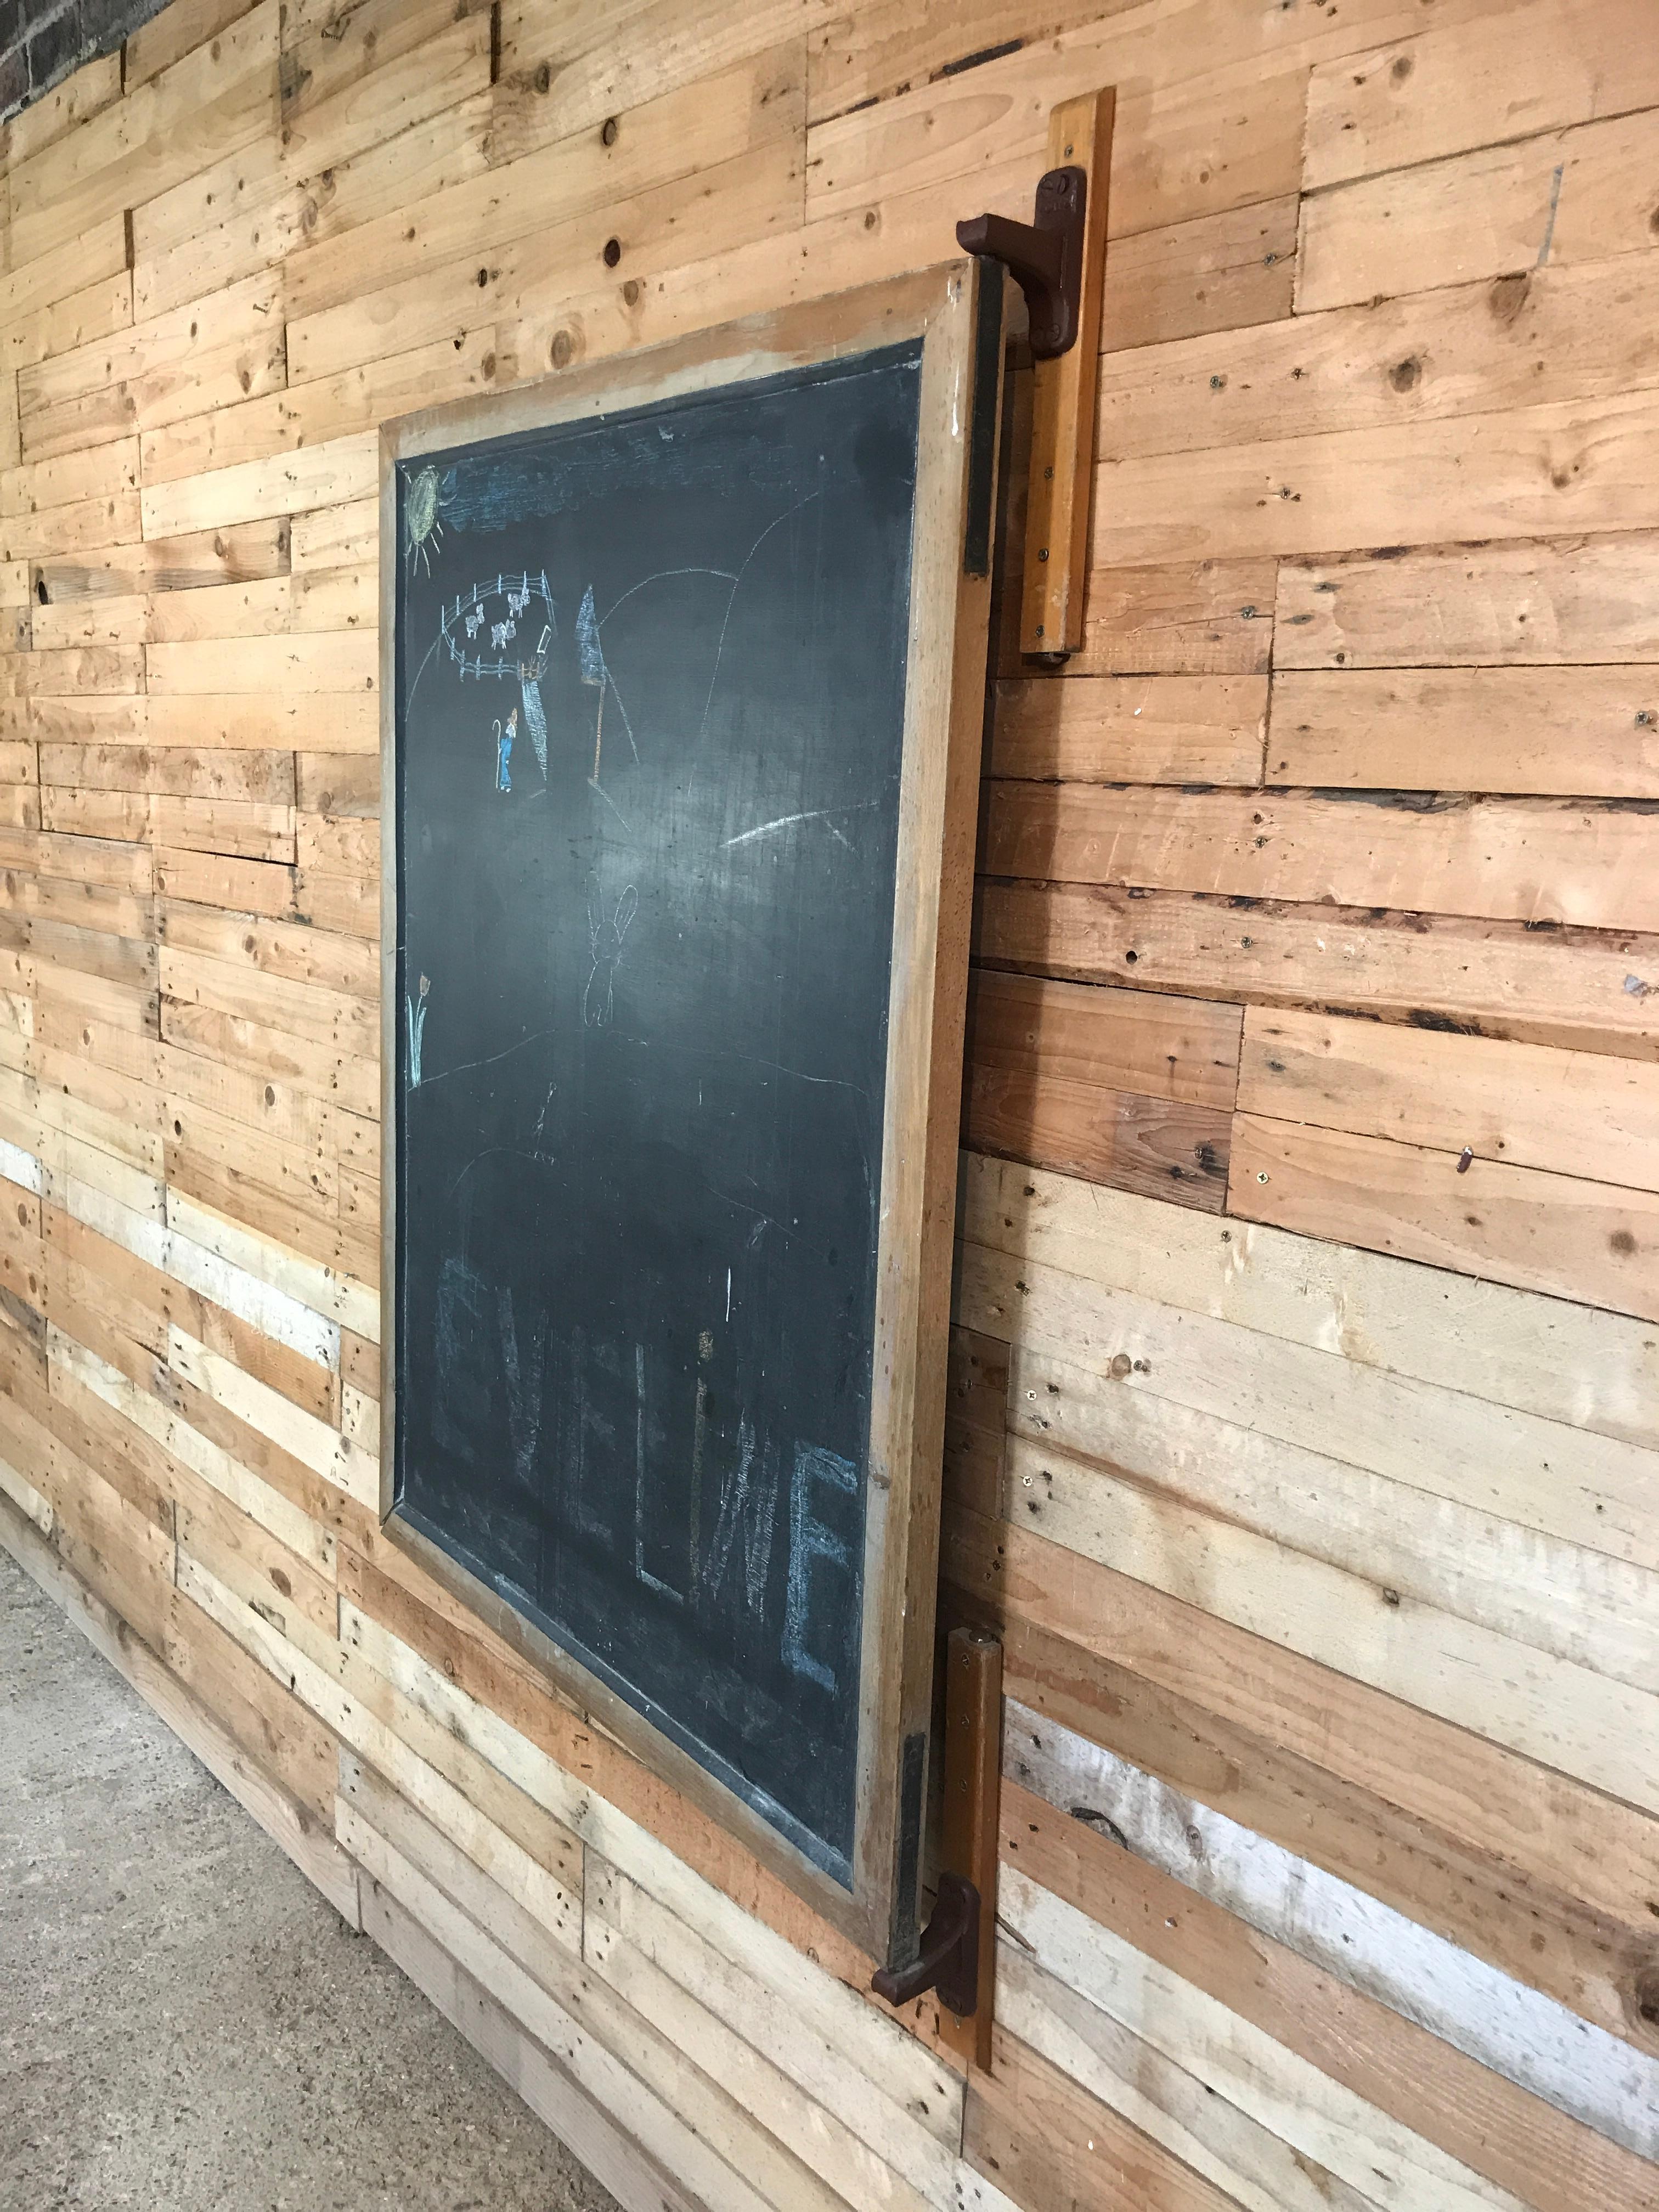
column 650, row 683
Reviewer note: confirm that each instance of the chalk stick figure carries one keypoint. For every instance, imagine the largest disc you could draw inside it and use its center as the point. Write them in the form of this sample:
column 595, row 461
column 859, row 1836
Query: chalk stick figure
column 504, row 752
column 604, row 941
column 416, row 1032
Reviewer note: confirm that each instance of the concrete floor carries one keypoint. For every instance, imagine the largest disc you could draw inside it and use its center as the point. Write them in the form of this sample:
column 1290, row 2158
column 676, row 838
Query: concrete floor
column 185, row 2025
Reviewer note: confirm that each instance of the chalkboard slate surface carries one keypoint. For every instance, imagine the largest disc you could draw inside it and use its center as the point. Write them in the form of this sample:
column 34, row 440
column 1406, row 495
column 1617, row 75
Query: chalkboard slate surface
column 650, row 698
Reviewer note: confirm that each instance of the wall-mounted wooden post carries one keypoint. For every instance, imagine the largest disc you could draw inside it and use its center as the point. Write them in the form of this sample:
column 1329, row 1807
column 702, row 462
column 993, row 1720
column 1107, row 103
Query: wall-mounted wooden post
column 1060, row 496
column 973, row 1789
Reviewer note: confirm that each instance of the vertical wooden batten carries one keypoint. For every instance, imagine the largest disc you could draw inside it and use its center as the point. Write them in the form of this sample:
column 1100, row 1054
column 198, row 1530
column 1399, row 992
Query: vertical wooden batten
column 1059, row 498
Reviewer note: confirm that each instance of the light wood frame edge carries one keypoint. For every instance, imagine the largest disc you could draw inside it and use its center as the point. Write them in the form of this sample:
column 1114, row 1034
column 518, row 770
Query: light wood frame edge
column 944, row 717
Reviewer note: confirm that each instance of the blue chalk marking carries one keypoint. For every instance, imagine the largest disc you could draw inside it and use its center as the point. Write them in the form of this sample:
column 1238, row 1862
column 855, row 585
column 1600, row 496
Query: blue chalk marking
column 809, row 1541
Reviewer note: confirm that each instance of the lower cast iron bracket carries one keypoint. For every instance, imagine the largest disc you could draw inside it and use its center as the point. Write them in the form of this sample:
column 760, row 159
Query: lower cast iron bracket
column 949, row 1957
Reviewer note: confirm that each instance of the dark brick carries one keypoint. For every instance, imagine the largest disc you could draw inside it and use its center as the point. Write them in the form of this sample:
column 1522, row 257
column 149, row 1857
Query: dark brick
column 105, row 23
column 14, row 80
column 42, row 40
column 55, row 47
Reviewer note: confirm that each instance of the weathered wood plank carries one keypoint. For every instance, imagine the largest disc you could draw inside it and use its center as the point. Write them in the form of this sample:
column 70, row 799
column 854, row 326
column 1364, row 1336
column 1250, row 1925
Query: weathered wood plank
column 1499, row 859
column 1048, row 2141
column 1557, row 1233
column 1502, row 979
column 1527, row 1104
column 1220, row 272
column 1169, row 729
column 1569, row 195
column 1469, row 84
column 1530, row 2040
column 1531, row 603
column 1547, row 1825
column 1454, row 1889
column 1592, row 732
column 1120, row 1086
column 1434, row 2119
column 1532, row 472
column 1521, row 341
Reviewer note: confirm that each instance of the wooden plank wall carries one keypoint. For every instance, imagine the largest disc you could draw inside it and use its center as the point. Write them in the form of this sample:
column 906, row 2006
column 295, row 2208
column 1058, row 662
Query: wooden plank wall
column 1306, row 1397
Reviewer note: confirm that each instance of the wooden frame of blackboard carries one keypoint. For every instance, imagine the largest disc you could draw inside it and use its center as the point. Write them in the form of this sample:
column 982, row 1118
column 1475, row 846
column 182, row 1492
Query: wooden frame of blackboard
column 957, row 320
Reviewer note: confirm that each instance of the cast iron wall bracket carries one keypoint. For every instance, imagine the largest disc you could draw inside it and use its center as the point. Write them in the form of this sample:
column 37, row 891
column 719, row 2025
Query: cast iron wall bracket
column 949, row 1957
column 1044, row 256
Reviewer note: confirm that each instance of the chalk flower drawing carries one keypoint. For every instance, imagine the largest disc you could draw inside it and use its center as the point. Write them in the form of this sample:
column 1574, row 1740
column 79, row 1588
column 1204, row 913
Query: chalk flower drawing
column 605, row 943
column 416, row 1032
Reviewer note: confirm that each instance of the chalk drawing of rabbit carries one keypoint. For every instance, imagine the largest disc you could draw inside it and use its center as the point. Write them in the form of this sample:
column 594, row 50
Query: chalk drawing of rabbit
column 604, row 942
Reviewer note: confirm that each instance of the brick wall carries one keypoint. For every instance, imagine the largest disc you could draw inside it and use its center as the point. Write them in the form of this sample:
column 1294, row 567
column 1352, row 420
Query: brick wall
column 42, row 40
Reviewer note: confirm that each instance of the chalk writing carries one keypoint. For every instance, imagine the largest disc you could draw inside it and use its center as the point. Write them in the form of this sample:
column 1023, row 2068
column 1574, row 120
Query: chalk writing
column 523, row 1366
column 748, row 1500
column 811, row 1543
column 461, row 1400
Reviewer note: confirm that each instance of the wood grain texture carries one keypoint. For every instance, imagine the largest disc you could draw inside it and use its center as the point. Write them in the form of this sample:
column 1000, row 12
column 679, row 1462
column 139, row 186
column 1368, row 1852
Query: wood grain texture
column 1170, row 729
column 1316, row 1513
column 1549, row 600
column 1119, row 1086
column 1545, row 1231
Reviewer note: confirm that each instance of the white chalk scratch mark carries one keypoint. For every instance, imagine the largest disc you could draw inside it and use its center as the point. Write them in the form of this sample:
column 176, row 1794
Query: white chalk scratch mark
column 611, row 803
column 736, row 579
column 728, row 1294
column 490, row 1152
column 467, row 1065
column 725, row 574
column 623, row 711
column 829, row 1082
column 823, row 814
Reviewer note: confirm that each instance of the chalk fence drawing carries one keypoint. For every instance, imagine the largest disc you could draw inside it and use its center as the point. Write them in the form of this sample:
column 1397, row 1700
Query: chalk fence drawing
column 498, row 607
column 605, row 943
column 417, row 1012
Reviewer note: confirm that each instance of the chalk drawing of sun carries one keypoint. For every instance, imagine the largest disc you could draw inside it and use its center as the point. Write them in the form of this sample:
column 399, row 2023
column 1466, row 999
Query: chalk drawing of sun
column 423, row 503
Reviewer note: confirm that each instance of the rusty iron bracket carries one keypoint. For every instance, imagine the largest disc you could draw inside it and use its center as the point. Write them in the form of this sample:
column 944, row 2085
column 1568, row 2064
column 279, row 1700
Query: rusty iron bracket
column 1045, row 256
column 948, row 1961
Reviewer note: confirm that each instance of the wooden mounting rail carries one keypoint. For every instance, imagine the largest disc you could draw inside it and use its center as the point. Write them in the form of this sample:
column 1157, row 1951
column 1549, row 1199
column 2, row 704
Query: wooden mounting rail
column 973, row 1791
column 957, row 1951
column 1064, row 389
